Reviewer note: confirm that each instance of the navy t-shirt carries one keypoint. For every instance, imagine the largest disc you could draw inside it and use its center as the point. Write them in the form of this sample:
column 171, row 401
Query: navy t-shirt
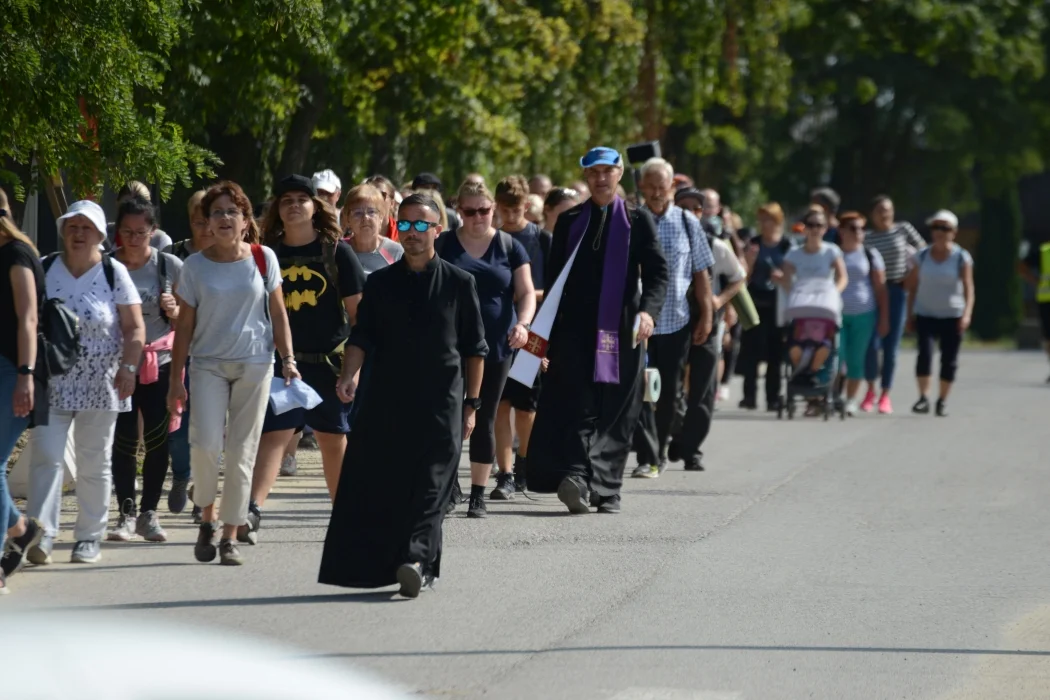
column 769, row 257
column 494, row 276
column 529, row 237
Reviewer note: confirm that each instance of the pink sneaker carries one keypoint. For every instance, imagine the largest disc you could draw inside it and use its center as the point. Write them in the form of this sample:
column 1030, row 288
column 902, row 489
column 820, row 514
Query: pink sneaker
column 885, row 406
column 868, row 404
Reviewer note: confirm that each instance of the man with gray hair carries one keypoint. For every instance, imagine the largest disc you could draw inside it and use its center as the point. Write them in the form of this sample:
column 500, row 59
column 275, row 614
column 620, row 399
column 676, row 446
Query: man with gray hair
column 681, row 324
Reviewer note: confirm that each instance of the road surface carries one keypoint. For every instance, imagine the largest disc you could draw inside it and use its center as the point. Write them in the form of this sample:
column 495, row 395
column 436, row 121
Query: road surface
column 883, row 557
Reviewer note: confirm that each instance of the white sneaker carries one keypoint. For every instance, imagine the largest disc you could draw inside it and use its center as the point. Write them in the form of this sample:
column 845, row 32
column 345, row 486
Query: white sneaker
column 723, row 392
column 289, row 465
column 852, row 407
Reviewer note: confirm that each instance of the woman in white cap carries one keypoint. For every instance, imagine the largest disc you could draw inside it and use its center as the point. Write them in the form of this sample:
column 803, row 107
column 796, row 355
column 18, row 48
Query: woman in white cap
column 939, row 306
column 94, row 391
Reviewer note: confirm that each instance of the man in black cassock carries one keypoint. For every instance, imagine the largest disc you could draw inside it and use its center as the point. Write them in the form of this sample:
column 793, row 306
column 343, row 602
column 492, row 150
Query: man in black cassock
column 420, row 322
column 592, row 392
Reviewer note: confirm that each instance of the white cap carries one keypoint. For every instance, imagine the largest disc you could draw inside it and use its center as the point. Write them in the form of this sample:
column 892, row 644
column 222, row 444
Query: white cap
column 327, row 181
column 944, row 216
column 89, row 209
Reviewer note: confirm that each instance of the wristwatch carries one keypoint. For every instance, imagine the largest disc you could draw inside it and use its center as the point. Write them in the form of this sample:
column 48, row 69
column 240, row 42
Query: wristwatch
column 131, row 368
column 25, row 369
column 472, row 403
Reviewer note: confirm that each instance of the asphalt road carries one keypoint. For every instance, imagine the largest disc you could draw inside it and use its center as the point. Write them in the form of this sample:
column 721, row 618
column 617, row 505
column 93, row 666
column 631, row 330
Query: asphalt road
column 883, row 557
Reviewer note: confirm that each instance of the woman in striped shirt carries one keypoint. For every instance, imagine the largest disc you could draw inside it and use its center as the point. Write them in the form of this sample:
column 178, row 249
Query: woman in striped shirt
column 896, row 242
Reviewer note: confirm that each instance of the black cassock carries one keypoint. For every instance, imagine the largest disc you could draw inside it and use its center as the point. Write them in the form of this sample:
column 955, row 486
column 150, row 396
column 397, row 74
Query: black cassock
column 584, row 428
column 403, row 451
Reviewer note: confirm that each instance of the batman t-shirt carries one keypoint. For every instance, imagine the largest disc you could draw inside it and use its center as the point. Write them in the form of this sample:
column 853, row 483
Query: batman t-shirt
column 311, row 298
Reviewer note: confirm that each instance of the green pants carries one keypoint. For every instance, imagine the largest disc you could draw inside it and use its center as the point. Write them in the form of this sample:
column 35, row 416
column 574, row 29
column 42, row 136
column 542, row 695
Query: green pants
column 854, row 340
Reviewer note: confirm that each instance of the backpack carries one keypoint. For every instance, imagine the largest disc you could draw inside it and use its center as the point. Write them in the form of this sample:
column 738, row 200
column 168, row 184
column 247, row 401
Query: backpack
column 260, row 262
column 180, row 251
column 59, row 328
column 331, row 270
column 690, row 293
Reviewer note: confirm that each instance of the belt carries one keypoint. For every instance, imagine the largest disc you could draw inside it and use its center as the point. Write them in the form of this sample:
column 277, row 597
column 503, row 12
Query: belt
column 322, row 358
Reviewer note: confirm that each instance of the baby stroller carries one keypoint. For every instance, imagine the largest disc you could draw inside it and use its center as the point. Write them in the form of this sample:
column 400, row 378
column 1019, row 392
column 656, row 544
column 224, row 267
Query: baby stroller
column 814, row 316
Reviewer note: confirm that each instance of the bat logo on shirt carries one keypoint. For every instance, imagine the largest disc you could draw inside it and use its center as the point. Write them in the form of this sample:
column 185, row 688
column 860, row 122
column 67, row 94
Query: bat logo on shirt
column 296, row 299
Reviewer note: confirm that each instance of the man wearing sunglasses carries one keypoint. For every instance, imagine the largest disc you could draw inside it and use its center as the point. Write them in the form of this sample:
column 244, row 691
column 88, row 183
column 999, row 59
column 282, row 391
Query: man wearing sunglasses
column 419, row 322
column 592, row 393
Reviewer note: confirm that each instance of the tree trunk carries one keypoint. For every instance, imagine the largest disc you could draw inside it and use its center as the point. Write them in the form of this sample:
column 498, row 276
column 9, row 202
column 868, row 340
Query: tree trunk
column 997, row 311
column 650, row 115
column 304, row 122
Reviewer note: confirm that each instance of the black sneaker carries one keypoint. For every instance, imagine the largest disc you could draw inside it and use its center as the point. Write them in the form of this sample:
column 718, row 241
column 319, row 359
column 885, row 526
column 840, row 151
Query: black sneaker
column 476, row 507
column 748, row 404
column 229, row 555
column 410, row 576
column 520, row 483
column 610, row 505
column 574, row 494
column 14, row 557
column 205, row 549
column 249, row 532
column 178, row 495
column 504, row 490
column 922, row 406
column 674, row 453
column 694, row 465
column 942, row 409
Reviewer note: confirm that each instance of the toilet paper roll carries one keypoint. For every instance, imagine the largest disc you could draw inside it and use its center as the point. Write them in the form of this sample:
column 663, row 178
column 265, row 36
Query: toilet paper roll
column 652, row 384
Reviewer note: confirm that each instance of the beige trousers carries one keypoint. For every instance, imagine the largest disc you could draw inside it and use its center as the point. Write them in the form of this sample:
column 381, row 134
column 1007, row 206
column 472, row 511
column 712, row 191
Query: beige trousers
column 229, row 403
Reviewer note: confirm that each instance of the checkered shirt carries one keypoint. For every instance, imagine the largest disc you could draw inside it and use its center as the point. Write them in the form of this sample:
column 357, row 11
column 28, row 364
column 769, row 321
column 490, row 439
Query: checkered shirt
column 685, row 246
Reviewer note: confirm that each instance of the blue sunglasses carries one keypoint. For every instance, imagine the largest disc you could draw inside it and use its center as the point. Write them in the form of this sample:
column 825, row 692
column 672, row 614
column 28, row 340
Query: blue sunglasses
column 421, row 226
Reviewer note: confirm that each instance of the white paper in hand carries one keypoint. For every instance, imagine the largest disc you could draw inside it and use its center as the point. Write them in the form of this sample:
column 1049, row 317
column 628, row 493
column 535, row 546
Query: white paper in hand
column 298, row 394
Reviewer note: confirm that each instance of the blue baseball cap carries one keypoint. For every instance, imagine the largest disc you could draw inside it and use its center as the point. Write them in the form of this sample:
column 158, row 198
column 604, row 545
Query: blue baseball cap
column 601, row 155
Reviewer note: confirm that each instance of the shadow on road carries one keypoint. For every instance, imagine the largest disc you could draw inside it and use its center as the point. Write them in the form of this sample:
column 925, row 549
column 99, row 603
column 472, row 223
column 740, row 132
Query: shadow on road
column 363, row 597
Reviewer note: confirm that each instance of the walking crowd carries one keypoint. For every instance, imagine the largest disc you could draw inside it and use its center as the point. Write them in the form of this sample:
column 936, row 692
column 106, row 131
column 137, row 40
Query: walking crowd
column 416, row 321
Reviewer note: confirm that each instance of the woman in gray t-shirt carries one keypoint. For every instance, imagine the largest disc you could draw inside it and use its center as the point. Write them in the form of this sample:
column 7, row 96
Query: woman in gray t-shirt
column 155, row 276
column 939, row 306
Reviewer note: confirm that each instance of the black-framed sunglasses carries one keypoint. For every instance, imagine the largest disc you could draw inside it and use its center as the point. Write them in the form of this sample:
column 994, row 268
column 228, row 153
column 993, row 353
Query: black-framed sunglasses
column 480, row 211
column 941, row 227
column 403, row 225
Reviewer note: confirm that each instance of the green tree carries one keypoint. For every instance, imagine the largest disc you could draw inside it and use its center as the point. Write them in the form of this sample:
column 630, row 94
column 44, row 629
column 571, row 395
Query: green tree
column 80, row 79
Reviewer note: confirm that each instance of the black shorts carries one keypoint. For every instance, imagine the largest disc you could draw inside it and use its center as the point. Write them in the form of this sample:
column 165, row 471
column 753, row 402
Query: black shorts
column 330, row 416
column 521, row 397
column 1044, row 319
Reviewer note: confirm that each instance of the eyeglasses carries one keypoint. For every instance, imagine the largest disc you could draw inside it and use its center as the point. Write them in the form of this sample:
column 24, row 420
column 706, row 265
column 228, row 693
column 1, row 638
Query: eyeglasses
column 814, row 224
column 471, row 213
column 403, row 225
column 941, row 227
column 364, row 213
column 126, row 233
column 854, row 227
column 199, row 222
column 218, row 214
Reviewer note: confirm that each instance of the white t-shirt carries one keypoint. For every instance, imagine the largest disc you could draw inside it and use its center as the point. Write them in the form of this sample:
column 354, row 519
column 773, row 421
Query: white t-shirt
column 231, row 299
column 88, row 386
column 726, row 264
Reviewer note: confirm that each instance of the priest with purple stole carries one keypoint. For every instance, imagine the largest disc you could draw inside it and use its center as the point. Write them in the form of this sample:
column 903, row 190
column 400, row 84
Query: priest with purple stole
column 592, row 392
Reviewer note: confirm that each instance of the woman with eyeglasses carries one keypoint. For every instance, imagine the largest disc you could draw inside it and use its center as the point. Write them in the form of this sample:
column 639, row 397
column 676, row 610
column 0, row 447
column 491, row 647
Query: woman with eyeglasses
column 322, row 286
column 363, row 220
column 500, row 266
column 896, row 242
column 155, row 276
column 94, row 392
column 389, row 195
column 940, row 305
column 231, row 317
column 865, row 305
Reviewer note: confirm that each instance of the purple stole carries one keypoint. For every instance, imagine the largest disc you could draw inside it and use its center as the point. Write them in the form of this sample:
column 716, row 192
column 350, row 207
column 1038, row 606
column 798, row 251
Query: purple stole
column 614, row 279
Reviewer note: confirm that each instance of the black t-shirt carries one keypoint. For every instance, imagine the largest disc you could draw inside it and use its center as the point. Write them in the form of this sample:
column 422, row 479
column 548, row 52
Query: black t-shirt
column 310, row 297
column 530, row 239
column 15, row 254
column 1034, row 260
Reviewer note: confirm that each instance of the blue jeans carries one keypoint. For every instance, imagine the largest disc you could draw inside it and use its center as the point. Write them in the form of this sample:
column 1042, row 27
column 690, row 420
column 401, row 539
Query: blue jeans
column 179, row 442
column 891, row 344
column 10, row 430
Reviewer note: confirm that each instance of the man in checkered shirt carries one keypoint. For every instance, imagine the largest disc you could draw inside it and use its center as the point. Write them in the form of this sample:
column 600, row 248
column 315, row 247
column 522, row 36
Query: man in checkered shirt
column 689, row 259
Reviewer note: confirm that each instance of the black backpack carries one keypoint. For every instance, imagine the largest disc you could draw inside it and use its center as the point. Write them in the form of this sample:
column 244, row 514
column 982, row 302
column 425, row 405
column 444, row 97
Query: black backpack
column 59, row 328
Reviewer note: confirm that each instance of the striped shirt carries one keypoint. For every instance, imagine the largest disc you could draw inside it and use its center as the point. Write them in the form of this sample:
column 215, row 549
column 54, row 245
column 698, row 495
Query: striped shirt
column 893, row 247
column 685, row 247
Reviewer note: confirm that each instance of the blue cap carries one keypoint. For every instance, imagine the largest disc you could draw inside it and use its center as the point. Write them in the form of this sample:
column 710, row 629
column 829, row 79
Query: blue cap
column 601, row 155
